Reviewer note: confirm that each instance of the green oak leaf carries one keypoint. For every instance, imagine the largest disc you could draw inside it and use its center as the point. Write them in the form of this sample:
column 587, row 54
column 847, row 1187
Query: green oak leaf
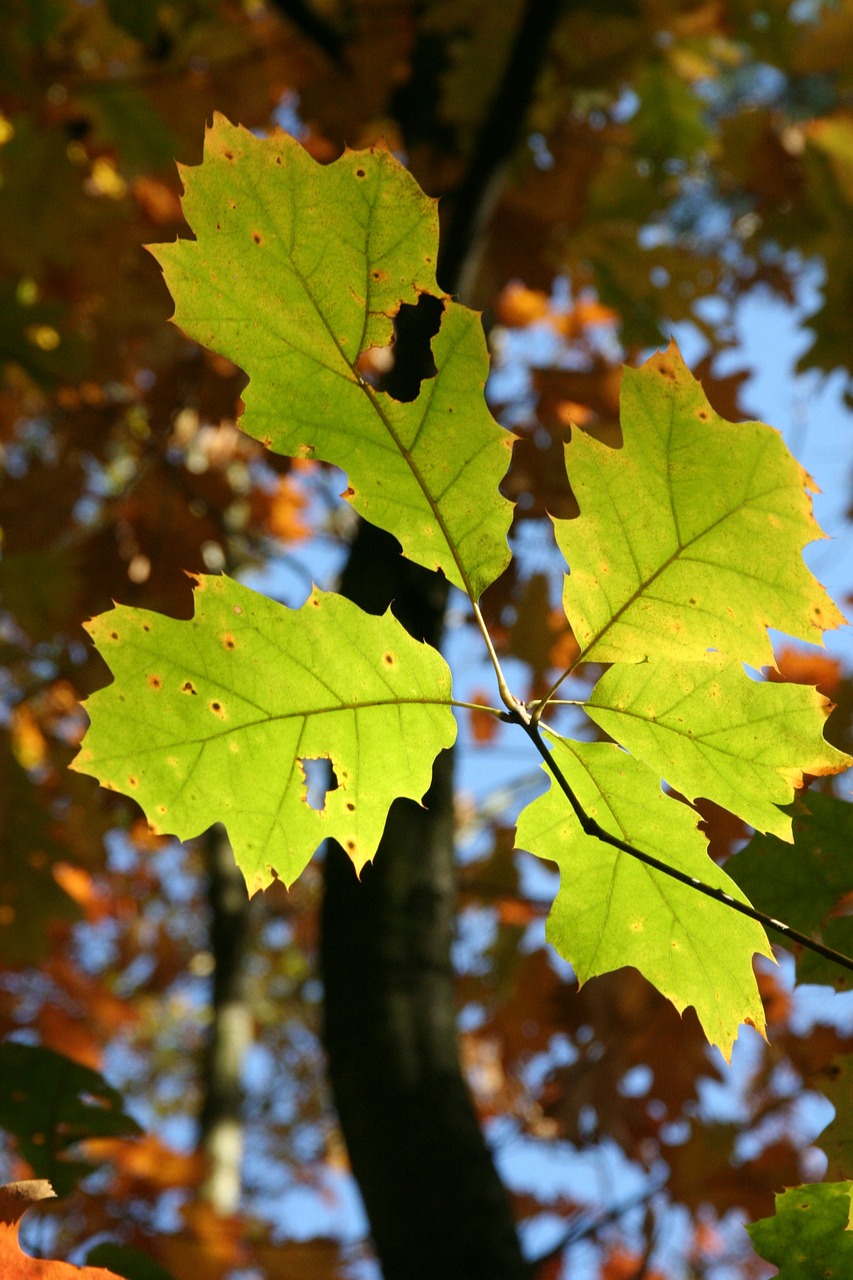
column 803, row 885
column 711, row 731
column 810, row 1237
column 50, row 1102
column 689, row 536
column 837, row 1138
column 612, row 910
column 296, row 270
column 211, row 720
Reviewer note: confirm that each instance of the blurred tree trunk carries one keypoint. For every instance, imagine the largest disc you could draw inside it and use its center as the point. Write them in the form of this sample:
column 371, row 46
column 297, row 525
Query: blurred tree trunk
column 436, row 1205
column 230, row 1031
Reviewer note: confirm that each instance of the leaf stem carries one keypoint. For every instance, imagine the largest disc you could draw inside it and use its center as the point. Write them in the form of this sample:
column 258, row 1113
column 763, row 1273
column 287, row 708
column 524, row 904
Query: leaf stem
column 508, row 698
column 592, row 828
column 476, row 706
column 536, row 713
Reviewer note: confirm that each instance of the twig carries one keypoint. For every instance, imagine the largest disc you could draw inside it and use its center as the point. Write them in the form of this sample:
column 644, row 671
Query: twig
column 592, row 828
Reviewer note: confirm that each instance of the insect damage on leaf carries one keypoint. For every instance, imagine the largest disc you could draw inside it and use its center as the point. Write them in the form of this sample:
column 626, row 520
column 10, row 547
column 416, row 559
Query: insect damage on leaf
column 687, row 548
column 344, row 246
column 226, row 739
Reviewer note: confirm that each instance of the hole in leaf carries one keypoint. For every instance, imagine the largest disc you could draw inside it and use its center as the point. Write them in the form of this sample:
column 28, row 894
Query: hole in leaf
column 319, row 780
column 414, row 329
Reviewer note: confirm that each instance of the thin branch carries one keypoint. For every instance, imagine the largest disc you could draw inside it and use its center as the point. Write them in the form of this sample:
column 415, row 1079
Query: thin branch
column 313, row 27
column 592, row 1226
column 592, row 828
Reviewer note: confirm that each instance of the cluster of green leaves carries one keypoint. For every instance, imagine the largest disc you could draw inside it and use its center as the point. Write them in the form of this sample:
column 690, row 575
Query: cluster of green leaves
column 687, row 548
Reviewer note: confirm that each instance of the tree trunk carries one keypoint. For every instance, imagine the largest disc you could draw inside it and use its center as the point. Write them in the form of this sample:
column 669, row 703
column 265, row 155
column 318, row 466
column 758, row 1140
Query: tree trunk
column 436, row 1205
column 230, row 1034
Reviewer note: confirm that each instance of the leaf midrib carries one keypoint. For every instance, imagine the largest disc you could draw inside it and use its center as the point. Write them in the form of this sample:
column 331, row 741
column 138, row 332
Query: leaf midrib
column 371, row 395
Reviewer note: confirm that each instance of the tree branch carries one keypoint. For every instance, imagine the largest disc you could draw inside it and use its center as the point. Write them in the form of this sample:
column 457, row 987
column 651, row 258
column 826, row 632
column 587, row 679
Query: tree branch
column 593, row 828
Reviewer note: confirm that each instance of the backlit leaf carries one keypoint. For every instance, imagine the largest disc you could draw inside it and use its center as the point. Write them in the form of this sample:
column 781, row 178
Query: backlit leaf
column 689, row 536
column 297, row 268
column 711, row 731
column 611, row 910
column 212, row 720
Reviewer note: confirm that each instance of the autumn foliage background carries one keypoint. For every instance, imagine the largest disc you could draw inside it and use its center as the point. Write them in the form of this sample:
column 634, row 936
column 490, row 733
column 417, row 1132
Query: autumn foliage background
column 647, row 164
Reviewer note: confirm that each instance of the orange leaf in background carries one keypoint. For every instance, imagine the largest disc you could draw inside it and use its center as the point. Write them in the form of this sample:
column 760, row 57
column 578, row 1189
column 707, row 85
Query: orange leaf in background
column 209, row 1246
column 799, row 667
column 622, row 1264
column 145, row 1161
column 571, row 413
column 484, row 726
column 517, row 306
column 15, row 1199
column 284, row 514
column 28, row 742
column 774, row 997
column 586, row 313
column 80, row 886
column 512, row 911
column 158, row 202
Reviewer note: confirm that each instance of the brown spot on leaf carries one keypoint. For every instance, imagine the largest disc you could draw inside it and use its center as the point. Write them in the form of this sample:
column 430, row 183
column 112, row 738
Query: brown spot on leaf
column 257, row 237
column 359, row 173
column 350, row 846
column 350, row 807
column 388, row 659
column 146, row 627
column 702, row 415
column 218, row 709
column 349, row 492
column 229, row 155
column 161, row 808
column 278, row 159
column 189, row 687
column 237, row 609
column 228, row 641
column 665, row 370
column 155, row 682
column 114, row 635
column 133, row 781
column 379, row 275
